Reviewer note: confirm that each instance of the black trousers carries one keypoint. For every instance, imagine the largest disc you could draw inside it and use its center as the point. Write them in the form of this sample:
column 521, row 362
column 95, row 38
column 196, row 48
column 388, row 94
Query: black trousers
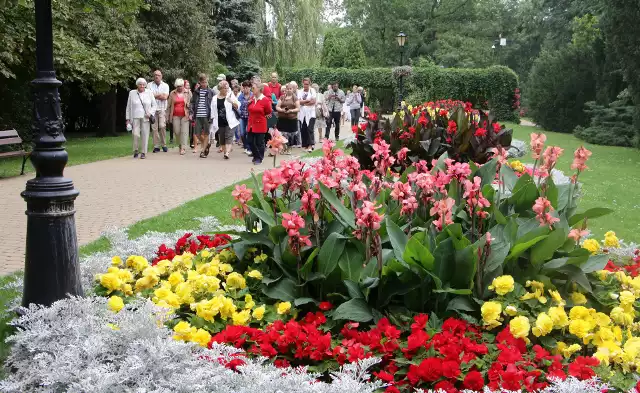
column 256, row 141
column 306, row 133
column 335, row 118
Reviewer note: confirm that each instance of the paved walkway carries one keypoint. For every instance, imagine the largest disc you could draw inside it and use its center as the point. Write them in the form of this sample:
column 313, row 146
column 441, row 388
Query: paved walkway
column 122, row 191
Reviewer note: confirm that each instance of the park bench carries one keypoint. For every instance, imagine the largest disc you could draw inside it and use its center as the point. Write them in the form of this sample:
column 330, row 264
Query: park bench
column 11, row 138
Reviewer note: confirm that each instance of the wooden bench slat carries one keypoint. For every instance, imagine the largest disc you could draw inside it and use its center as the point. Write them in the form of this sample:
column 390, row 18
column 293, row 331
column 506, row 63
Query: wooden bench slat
column 17, row 153
column 8, row 133
column 10, row 141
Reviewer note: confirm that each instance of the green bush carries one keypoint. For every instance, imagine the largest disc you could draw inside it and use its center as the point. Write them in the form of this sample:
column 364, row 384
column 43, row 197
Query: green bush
column 611, row 125
column 494, row 85
column 560, row 84
column 343, row 48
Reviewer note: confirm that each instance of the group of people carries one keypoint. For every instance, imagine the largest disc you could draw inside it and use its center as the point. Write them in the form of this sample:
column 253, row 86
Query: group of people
column 245, row 113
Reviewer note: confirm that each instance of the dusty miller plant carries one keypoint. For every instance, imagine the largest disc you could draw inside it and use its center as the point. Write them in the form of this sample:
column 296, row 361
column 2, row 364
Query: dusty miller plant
column 78, row 345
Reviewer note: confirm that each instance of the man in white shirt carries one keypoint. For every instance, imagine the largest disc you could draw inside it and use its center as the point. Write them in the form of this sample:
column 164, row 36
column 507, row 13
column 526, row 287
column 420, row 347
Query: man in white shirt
column 160, row 91
column 307, row 114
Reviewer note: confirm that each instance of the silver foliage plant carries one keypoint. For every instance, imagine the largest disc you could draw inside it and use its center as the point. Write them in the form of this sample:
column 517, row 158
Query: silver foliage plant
column 78, row 345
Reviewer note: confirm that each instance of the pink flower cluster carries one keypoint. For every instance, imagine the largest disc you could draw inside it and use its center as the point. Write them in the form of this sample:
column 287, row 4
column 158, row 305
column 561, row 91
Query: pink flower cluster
column 542, row 207
column 367, row 218
column 537, row 143
column 475, row 200
column 580, row 158
column 293, row 223
column 242, row 195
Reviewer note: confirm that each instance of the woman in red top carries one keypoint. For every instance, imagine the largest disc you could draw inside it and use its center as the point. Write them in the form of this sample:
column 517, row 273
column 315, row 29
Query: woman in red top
column 178, row 113
column 259, row 109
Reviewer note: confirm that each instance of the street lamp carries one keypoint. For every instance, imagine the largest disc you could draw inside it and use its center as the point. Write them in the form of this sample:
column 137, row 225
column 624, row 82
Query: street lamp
column 51, row 259
column 402, row 39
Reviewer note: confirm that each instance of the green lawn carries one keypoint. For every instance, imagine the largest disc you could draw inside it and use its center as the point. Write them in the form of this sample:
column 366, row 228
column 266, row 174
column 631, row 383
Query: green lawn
column 612, row 180
column 81, row 150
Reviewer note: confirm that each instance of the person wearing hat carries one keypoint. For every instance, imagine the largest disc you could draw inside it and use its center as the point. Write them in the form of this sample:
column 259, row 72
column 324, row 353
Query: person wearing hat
column 219, row 78
column 178, row 113
column 140, row 106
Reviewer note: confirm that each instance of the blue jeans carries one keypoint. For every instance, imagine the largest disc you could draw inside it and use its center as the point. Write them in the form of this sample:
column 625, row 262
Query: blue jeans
column 243, row 134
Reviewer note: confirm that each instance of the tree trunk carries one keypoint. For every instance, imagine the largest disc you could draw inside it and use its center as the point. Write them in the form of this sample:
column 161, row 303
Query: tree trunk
column 107, row 113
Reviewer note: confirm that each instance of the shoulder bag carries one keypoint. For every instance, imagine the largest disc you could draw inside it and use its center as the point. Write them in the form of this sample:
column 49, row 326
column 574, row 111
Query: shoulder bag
column 152, row 117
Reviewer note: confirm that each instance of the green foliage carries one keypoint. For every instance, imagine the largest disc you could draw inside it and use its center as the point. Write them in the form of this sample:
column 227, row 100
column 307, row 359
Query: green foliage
column 177, row 48
column 342, row 48
column 611, row 124
column 246, row 68
column 621, row 23
column 235, row 26
column 494, row 84
column 585, row 31
column 560, row 84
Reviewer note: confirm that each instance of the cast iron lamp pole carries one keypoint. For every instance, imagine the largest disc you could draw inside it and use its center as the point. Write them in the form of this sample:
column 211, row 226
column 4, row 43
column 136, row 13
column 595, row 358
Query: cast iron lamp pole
column 402, row 39
column 51, row 258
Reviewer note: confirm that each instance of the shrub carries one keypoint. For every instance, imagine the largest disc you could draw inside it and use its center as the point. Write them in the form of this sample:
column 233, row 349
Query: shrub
column 611, row 125
column 492, row 87
column 560, row 84
column 343, row 48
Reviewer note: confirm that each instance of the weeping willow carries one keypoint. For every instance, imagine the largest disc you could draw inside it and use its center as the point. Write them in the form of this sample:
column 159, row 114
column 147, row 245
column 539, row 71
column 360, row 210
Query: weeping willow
column 291, row 33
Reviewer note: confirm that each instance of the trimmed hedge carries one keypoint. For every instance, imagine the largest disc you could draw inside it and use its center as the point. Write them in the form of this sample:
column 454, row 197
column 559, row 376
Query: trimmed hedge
column 495, row 85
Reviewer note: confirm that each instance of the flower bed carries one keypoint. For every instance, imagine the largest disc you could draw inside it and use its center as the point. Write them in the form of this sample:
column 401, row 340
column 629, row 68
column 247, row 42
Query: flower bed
column 452, row 276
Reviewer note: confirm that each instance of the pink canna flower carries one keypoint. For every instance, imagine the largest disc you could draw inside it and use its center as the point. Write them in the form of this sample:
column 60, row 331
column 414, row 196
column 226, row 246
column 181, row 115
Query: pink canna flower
column 550, row 157
column 359, row 190
column 242, row 194
column 577, row 234
column 401, row 190
column 537, row 143
column 239, row 212
column 382, row 157
column 542, row 207
column 475, row 199
column 500, row 153
column 277, row 142
column 402, row 154
column 327, row 146
column 409, row 205
column 292, row 222
column 458, row 170
column 367, row 217
column 442, row 209
column 272, row 179
column 580, row 158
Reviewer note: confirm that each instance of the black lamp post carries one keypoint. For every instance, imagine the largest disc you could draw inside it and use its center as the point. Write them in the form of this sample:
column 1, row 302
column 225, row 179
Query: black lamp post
column 402, row 39
column 51, row 258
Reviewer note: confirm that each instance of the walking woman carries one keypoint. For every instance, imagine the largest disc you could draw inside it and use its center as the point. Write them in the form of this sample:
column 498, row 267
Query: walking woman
column 287, row 110
column 223, row 117
column 140, row 105
column 355, row 101
column 178, row 113
column 321, row 112
column 259, row 109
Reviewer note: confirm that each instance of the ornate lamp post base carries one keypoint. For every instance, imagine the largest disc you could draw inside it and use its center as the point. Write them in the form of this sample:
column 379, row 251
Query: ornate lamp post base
column 51, row 258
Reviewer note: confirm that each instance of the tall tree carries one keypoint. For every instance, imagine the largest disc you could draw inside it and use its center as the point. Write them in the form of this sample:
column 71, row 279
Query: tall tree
column 236, row 28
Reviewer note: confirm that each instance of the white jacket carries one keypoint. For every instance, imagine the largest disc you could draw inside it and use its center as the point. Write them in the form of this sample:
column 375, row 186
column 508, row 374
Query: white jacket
column 231, row 116
column 140, row 103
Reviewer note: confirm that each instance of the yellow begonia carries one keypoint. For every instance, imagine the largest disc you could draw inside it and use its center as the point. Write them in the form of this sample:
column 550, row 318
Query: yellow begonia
column 146, row 282
column 591, row 245
column 182, row 262
column 543, row 326
column 511, row 311
column 602, row 319
column 538, row 292
column 125, row 275
column 218, row 305
column 205, row 253
column 111, row 281
column 260, row 258
column 603, row 335
column 116, row 261
column 183, row 331
column 621, row 317
column 558, row 316
column 248, row 302
column 115, row 303
column 580, row 328
column 258, row 313
column 519, row 327
column 255, row 274
column 235, row 280
column 175, row 278
column 242, row 317
column 137, row 263
column 201, row 337
column 490, row 314
column 567, row 350
column 517, row 166
column 502, row 285
column 578, row 299
column 627, row 298
column 555, row 296
column 184, row 293
column 163, row 267
column 602, row 274
column 611, row 240
column 283, row 308
column 169, row 298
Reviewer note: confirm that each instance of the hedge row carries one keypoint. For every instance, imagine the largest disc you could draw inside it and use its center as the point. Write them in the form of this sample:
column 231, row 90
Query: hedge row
column 494, row 85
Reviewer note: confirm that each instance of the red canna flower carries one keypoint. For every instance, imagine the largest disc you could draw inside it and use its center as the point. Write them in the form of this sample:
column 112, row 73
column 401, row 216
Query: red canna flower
column 325, row 306
column 480, row 132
